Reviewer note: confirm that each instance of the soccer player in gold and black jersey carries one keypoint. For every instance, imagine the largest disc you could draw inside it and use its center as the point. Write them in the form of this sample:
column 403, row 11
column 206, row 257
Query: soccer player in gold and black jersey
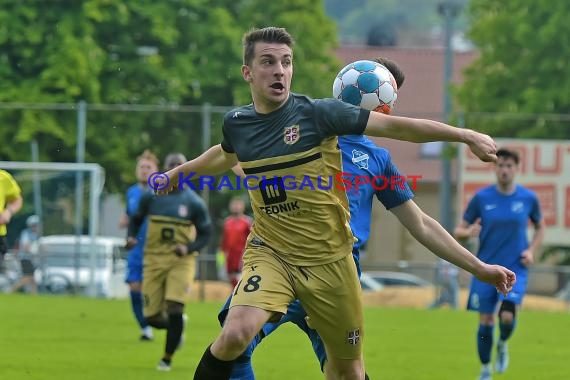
column 300, row 245
column 178, row 227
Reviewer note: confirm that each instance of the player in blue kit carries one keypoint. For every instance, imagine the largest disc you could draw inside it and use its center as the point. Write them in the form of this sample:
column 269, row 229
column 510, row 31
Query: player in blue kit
column 499, row 216
column 361, row 157
column 147, row 163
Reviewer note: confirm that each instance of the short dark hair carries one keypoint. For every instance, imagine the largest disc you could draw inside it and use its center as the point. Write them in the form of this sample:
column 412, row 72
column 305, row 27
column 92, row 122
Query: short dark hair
column 174, row 159
column 270, row 34
column 393, row 68
column 506, row 154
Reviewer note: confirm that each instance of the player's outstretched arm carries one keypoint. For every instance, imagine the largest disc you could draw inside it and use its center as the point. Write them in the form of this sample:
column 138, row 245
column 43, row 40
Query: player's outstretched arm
column 211, row 162
column 423, row 130
column 434, row 237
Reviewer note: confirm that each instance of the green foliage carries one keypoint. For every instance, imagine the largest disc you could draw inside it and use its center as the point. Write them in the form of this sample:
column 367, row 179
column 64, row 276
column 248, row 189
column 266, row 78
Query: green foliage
column 524, row 49
column 169, row 53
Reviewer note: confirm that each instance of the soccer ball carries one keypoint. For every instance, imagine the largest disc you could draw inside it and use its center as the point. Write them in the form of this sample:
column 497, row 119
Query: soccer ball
column 367, row 84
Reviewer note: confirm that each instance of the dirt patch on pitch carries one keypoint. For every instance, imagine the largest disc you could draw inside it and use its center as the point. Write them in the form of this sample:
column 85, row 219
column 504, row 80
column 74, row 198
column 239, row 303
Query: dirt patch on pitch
column 389, row 297
column 422, row 297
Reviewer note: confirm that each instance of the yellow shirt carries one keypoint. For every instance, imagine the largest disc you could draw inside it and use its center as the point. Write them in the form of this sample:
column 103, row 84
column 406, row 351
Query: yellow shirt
column 9, row 190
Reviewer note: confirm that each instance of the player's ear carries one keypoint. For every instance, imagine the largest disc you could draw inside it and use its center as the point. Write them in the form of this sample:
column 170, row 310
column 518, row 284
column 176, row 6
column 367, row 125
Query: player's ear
column 246, row 73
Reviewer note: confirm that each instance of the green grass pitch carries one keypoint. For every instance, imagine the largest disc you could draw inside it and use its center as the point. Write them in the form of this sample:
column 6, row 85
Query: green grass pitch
column 62, row 338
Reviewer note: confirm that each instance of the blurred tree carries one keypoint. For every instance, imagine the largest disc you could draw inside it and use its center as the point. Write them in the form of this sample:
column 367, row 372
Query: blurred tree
column 414, row 21
column 524, row 49
column 179, row 52
column 382, row 34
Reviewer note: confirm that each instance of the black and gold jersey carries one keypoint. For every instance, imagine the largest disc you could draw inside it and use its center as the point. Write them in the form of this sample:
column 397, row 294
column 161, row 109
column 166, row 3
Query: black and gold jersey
column 291, row 157
column 180, row 217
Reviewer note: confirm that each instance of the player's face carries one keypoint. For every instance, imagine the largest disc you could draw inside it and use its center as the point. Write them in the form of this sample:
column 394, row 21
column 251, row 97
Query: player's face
column 505, row 169
column 269, row 75
column 144, row 169
column 237, row 207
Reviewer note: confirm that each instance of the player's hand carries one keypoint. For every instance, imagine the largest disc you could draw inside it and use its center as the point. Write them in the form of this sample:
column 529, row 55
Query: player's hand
column 475, row 228
column 527, row 258
column 5, row 217
column 498, row 276
column 181, row 250
column 131, row 242
column 482, row 146
column 167, row 183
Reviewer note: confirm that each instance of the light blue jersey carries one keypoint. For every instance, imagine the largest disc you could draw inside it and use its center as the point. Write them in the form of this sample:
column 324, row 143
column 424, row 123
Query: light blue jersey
column 135, row 256
column 360, row 158
column 502, row 240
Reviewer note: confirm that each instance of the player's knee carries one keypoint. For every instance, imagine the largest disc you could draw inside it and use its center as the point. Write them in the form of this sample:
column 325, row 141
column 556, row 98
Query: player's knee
column 487, row 319
column 507, row 312
column 174, row 307
column 135, row 286
column 235, row 340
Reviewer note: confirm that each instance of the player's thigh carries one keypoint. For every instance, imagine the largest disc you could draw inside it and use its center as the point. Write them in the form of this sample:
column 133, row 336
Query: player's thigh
column 265, row 282
column 483, row 297
column 180, row 278
column 295, row 314
column 331, row 295
column 153, row 287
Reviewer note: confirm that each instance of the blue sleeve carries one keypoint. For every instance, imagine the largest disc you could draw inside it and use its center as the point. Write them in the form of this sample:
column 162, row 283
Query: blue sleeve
column 535, row 214
column 337, row 118
column 394, row 188
column 472, row 212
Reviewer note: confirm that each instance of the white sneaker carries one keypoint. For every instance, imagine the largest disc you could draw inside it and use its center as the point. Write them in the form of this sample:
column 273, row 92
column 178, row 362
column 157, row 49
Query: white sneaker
column 146, row 334
column 502, row 357
column 486, row 373
column 163, row 366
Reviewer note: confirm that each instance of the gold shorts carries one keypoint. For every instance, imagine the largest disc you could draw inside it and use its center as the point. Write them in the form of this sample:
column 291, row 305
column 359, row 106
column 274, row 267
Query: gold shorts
column 330, row 294
column 166, row 277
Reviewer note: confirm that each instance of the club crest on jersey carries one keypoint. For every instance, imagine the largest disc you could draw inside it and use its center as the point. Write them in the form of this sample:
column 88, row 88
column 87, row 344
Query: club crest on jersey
column 353, row 337
column 182, row 211
column 291, row 134
column 360, row 159
column 517, row 207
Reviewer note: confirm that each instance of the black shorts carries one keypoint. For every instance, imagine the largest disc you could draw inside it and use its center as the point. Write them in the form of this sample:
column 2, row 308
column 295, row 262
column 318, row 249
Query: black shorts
column 28, row 267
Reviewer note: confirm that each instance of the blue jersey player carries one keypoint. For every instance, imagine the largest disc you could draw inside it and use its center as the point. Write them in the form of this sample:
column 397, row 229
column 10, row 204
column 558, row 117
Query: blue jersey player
column 361, row 157
column 499, row 216
column 147, row 163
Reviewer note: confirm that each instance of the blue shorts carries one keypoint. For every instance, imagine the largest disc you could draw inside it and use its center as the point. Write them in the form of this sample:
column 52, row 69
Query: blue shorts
column 135, row 265
column 484, row 298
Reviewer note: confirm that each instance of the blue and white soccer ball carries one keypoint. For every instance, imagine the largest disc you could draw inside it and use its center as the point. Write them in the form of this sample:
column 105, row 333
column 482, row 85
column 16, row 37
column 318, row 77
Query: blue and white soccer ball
column 367, row 84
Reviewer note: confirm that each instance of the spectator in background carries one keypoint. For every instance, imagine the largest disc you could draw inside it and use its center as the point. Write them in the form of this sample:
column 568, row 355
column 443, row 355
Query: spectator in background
column 147, row 163
column 448, row 286
column 28, row 249
column 10, row 203
column 234, row 236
